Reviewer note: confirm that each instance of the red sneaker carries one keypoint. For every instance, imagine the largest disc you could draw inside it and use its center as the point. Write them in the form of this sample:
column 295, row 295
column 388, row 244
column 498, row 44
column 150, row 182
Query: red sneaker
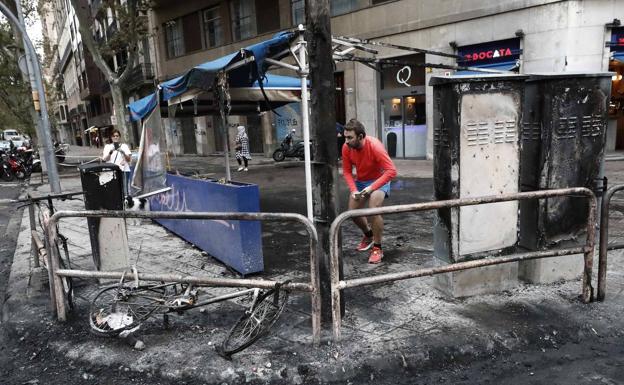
column 376, row 255
column 366, row 244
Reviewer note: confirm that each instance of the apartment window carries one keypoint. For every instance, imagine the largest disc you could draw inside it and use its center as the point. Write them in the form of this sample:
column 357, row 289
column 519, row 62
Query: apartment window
column 211, row 24
column 267, row 16
column 174, row 38
column 297, row 11
column 243, row 21
column 191, row 32
column 339, row 7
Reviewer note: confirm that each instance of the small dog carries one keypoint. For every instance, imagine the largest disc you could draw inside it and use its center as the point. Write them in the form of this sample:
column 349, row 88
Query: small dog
column 136, row 204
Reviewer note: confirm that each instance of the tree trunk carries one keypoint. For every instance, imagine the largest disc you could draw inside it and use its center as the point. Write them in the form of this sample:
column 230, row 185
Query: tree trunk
column 119, row 108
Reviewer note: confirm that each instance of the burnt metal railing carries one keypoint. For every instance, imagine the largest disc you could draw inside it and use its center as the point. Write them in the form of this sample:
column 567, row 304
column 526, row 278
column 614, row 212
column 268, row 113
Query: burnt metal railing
column 338, row 284
column 604, row 241
column 312, row 287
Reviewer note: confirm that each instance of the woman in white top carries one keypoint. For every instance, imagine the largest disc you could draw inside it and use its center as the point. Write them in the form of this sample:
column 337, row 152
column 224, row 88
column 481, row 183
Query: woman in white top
column 119, row 154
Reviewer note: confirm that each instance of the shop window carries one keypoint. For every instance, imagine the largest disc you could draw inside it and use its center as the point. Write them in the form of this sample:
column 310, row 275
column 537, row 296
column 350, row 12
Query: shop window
column 297, row 11
column 211, row 23
column 174, row 38
column 243, row 19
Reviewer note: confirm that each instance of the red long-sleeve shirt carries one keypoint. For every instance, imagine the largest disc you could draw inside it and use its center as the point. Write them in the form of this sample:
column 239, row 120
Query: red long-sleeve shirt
column 371, row 162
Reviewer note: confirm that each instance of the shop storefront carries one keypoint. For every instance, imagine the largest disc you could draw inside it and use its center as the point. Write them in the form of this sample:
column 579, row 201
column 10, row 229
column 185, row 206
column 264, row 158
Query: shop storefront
column 403, row 117
column 502, row 55
column 615, row 133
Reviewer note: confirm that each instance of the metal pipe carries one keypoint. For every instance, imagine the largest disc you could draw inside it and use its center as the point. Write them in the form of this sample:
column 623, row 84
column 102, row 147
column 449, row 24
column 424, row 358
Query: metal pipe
column 459, row 267
column 313, row 287
column 48, row 247
column 604, row 239
column 588, row 290
column 33, row 248
column 335, row 227
column 196, row 280
column 305, row 122
column 615, row 246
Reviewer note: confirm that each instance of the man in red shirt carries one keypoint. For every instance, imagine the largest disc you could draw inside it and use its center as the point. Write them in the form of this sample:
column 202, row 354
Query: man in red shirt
column 374, row 171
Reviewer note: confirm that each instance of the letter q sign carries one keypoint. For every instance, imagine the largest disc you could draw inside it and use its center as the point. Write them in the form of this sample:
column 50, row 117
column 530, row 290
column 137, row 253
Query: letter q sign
column 403, row 75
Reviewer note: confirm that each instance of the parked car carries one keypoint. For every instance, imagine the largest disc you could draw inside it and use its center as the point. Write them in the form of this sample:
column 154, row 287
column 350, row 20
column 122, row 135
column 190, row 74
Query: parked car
column 5, row 145
column 18, row 140
column 8, row 134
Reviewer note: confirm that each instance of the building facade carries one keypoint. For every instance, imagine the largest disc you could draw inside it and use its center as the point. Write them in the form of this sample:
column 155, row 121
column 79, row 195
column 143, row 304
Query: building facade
column 524, row 36
column 83, row 107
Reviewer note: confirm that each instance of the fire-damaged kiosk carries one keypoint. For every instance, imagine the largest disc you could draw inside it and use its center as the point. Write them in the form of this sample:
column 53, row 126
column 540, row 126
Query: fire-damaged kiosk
column 563, row 139
column 476, row 153
column 103, row 187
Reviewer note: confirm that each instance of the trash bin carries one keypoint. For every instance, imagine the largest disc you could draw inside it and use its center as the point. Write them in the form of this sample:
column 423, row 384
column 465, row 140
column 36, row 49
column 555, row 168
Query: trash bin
column 476, row 153
column 103, row 186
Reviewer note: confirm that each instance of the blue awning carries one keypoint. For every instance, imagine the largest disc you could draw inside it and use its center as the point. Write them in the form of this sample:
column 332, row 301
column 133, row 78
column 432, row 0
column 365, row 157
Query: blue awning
column 142, row 107
column 202, row 77
column 504, row 66
column 619, row 56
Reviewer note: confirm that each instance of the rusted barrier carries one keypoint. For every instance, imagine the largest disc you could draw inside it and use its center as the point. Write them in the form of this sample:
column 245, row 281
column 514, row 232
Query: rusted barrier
column 312, row 287
column 337, row 284
column 604, row 240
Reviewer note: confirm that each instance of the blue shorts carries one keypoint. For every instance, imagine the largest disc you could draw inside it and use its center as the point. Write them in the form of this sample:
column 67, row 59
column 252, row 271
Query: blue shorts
column 362, row 184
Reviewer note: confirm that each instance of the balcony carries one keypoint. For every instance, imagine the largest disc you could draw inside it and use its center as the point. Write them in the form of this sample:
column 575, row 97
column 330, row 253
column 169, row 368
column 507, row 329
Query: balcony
column 140, row 75
column 102, row 120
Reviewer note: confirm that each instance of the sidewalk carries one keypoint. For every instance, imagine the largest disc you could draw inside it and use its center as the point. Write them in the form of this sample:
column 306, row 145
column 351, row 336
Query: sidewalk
column 388, row 330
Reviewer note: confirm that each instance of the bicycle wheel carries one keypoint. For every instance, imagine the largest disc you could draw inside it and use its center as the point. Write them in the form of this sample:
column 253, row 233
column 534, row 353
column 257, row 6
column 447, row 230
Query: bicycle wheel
column 118, row 308
column 256, row 321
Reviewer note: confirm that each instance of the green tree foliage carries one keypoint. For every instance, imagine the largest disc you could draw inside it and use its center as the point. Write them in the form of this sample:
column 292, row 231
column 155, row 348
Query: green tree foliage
column 15, row 96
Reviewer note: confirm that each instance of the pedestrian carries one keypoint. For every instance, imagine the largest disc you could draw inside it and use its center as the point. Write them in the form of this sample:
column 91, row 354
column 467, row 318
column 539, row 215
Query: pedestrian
column 340, row 138
column 97, row 141
column 374, row 171
column 242, row 149
column 119, row 154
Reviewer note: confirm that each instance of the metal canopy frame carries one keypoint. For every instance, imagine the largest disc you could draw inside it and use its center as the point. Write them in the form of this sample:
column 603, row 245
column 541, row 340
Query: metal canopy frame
column 345, row 48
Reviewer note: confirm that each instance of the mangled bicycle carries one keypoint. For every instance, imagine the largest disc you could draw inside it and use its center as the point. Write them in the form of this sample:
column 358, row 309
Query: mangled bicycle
column 123, row 307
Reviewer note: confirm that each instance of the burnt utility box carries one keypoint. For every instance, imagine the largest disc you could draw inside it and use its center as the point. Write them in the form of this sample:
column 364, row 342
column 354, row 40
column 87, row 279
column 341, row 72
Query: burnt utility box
column 103, row 187
column 563, row 140
column 476, row 153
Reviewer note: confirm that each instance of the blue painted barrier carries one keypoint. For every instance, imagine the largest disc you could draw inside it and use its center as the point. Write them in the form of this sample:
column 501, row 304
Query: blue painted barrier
column 238, row 244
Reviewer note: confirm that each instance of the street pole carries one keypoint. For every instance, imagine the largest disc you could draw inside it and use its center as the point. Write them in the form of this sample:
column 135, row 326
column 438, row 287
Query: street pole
column 323, row 129
column 40, row 101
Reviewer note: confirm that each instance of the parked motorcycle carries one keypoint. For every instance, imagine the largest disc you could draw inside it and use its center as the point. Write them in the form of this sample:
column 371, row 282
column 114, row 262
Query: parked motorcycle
column 59, row 151
column 16, row 165
column 5, row 170
column 289, row 149
column 30, row 158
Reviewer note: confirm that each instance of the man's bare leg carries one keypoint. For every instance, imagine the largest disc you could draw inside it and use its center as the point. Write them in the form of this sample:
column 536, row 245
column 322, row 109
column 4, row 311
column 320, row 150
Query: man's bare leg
column 361, row 222
column 376, row 200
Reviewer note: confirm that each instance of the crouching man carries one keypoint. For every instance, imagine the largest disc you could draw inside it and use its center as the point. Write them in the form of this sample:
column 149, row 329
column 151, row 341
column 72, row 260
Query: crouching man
column 374, row 171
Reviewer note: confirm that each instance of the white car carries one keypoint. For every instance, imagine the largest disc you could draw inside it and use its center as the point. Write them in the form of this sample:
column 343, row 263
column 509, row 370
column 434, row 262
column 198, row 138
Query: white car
column 5, row 145
column 8, row 134
column 17, row 140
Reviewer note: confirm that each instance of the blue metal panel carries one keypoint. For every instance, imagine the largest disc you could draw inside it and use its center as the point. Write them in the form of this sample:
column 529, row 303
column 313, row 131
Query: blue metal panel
column 237, row 244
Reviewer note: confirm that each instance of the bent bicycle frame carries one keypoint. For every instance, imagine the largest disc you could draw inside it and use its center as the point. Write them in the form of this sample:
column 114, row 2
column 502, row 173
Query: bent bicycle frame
column 337, row 284
column 313, row 287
